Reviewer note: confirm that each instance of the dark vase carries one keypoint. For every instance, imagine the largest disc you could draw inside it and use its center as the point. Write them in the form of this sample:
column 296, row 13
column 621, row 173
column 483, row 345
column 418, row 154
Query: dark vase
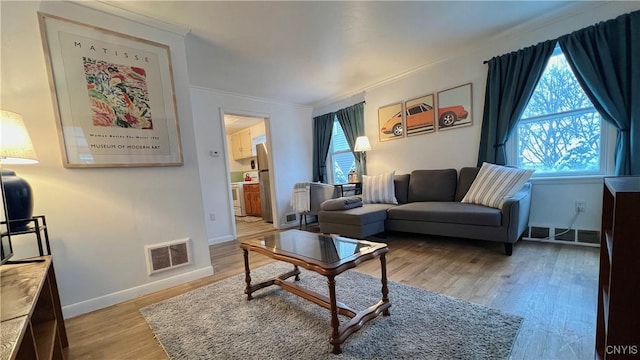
column 19, row 200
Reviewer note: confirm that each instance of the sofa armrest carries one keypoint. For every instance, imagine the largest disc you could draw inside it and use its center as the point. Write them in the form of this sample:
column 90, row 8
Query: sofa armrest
column 515, row 213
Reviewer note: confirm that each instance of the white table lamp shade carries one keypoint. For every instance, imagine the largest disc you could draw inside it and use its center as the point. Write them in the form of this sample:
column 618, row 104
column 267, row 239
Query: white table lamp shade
column 15, row 143
column 362, row 144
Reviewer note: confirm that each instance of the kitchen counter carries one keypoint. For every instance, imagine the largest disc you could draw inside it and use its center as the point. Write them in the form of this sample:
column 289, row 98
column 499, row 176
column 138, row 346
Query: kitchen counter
column 245, row 182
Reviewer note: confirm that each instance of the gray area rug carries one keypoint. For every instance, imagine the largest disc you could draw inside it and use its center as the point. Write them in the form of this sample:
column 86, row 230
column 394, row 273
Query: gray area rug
column 217, row 322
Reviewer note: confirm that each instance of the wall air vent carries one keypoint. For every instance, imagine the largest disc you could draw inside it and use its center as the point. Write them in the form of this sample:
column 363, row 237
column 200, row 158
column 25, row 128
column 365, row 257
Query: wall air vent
column 566, row 236
column 589, row 236
column 290, row 217
column 539, row 232
column 561, row 234
column 168, row 255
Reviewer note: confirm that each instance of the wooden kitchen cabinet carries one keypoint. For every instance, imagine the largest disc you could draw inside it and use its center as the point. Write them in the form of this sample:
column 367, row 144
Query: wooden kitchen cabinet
column 252, row 203
column 241, row 146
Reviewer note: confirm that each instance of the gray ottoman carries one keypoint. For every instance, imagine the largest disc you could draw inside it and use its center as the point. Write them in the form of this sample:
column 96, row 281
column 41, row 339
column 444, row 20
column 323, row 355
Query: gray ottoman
column 357, row 223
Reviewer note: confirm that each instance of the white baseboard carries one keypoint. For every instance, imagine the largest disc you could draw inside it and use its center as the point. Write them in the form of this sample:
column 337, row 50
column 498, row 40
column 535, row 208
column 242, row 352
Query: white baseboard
column 100, row 302
column 288, row 225
column 220, row 239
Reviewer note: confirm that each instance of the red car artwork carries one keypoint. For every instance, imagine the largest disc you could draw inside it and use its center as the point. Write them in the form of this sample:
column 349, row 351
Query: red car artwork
column 421, row 115
column 447, row 116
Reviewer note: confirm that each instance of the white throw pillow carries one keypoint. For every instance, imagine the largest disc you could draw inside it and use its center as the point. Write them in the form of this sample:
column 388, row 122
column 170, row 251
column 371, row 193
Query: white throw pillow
column 494, row 184
column 379, row 189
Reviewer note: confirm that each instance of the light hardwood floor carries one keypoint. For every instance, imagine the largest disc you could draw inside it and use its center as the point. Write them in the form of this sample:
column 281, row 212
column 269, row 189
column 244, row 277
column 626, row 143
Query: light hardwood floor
column 253, row 228
column 553, row 286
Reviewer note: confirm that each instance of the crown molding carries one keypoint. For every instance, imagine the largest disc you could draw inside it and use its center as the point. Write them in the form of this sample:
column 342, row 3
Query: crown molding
column 248, row 97
column 112, row 8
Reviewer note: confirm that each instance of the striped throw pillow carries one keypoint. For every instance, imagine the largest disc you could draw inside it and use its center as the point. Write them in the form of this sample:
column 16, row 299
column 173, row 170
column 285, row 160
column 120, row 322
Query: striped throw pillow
column 379, row 189
column 494, row 184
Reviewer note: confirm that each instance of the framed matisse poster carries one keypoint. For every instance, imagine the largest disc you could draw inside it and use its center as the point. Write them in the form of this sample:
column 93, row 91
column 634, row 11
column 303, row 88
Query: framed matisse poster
column 454, row 107
column 420, row 116
column 114, row 96
column 391, row 122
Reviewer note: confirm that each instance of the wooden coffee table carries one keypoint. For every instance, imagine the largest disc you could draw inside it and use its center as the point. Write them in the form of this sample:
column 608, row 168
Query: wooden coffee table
column 327, row 255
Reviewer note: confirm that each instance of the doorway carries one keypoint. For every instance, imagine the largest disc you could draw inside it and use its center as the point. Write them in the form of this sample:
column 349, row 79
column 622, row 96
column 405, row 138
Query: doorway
column 249, row 173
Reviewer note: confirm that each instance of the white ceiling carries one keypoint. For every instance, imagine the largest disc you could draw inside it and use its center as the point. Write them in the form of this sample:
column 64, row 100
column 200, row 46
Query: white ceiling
column 233, row 123
column 310, row 51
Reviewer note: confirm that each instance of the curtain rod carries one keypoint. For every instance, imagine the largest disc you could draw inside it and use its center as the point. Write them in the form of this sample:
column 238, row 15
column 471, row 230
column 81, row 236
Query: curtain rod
column 361, row 102
column 333, row 112
column 515, row 51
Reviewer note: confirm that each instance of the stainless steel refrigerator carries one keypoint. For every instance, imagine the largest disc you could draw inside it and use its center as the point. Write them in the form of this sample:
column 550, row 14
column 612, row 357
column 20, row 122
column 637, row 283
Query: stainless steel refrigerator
column 263, row 177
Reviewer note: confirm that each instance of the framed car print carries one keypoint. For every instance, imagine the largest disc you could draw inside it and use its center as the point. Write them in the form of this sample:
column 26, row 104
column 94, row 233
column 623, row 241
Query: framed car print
column 419, row 117
column 391, row 122
column 113, row 96
column 454, row 107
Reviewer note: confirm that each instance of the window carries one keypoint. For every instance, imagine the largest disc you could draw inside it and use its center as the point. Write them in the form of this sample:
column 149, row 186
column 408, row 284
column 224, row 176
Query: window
column 260, row 139
column 560, row 132
column 418, row 109
column 340, row 159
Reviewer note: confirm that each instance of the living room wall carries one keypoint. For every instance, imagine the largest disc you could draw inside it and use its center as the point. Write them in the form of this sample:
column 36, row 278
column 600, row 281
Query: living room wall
column 553, row 200
column 99, row 220
column 288, row 136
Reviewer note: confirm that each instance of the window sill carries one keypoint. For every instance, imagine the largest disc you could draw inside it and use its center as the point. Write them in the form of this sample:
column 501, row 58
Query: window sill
column 560, row 180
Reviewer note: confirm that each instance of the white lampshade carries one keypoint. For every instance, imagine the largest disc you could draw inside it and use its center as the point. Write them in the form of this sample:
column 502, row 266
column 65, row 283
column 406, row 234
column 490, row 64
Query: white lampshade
column 362, row 144
column 15, row 143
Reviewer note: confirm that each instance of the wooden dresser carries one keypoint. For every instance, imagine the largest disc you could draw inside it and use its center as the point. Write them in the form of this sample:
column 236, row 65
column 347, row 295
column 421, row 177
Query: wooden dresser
column 32, row 324
column 618, row 321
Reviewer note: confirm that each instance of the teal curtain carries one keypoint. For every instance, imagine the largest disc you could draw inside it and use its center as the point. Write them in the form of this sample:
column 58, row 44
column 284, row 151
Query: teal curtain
column 511, row 80
column 606, row 61
column 322, row 128
column 351, row 120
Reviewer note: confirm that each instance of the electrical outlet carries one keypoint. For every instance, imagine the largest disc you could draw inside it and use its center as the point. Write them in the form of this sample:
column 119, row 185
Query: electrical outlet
column 212, row 216
column 581, row 206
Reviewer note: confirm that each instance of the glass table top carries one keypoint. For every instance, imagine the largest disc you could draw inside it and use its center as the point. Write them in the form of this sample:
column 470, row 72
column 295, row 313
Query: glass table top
column 325, row 248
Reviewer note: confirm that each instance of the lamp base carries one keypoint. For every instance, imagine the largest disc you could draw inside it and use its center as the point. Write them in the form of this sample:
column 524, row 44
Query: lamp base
column 19, row 200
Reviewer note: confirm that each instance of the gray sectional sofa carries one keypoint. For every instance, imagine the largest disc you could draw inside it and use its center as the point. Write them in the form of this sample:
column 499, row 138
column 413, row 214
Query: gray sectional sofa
column 429, row 203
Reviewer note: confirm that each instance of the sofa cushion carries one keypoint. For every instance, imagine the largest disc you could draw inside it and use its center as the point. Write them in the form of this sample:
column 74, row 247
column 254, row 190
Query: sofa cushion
column 379, row 189
column 465, row 179
column 401, row 183
column 366, row 214
column 495, row 183
column 446, row 212
column 432, row 185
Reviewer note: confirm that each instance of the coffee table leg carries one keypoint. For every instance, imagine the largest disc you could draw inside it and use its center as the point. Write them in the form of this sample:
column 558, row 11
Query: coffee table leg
column 385, row 289
column 247, row 274
column 335, row 323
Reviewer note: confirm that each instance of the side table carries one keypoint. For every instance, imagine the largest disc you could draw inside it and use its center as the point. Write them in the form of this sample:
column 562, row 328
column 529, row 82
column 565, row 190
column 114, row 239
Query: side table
column 31, row 317
column 37, row 225
column 348, row 187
